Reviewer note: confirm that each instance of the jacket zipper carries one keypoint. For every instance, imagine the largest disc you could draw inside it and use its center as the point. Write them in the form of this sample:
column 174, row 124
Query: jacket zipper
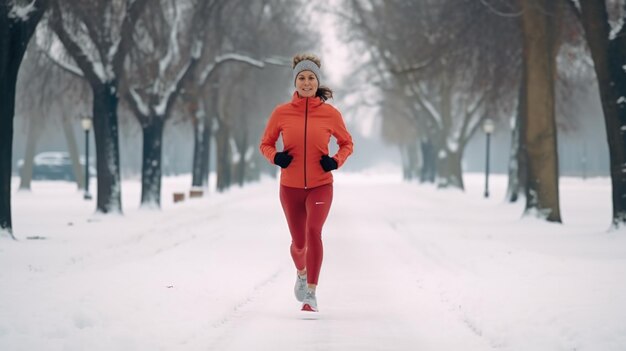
column 306, row 115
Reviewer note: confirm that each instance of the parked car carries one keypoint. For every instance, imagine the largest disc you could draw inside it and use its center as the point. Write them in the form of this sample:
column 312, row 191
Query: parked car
column 54, row 165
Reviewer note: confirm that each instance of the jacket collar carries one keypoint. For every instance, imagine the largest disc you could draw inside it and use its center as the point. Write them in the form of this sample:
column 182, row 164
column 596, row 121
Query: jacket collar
column 300, row 102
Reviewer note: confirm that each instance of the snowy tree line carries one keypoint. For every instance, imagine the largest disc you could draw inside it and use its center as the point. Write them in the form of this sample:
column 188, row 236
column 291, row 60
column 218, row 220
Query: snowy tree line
column 201, row 59
column 442, row 67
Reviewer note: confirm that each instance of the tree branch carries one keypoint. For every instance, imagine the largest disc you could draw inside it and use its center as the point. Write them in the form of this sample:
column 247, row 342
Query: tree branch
column 133, row 11
column 66, row 67
column 136, row 103
column 621, row 34
column 465, row 135
column 212, row 67
column 77, row 53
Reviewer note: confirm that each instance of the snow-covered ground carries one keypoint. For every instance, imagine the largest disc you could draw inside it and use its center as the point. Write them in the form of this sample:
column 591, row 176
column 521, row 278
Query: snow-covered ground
column 406, row 267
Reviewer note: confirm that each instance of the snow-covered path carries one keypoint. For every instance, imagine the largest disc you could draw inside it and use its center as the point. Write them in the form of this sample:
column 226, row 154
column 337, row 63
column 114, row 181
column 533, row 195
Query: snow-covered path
column 406, row 267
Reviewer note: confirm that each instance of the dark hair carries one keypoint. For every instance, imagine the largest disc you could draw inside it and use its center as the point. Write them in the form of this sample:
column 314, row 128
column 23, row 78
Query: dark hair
column 324, row 93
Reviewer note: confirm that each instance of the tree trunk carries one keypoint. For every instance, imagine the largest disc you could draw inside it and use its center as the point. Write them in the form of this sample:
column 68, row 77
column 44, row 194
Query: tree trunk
column 539, row 32
column 253, row 171
column 26, row 173
column 516, row 156
column 414, row 161
column 429, row 164
column 404, row 156
column 201, row 151
column 241, row 171
column 8, row 78
column 151, row 164
column 105, row 125
column 449, row 172
column 410, row 161
column 609, row 57
column 241, row 164
column 513, row 186
column 224, row 164
column 73, row 151
column 15, row 33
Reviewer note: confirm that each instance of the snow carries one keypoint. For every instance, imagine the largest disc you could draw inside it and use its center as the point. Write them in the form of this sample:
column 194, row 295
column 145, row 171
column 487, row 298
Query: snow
column 249, row 153
column 453, row 143
column 5, row 233
column 406, row 267
column 143, row 108
column 196, row 49
column 113, row 49
column 171, row 89
column 229, row 57
column 278, row 61
column 81, row 37
column 234, row 149
column 100, row 71
column 55, row 50
column 616, row 29
column 22, row 12
column 173, row 50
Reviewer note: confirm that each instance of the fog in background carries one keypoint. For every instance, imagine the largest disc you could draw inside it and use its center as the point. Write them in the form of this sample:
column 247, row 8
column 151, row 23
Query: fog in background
column 582, row 150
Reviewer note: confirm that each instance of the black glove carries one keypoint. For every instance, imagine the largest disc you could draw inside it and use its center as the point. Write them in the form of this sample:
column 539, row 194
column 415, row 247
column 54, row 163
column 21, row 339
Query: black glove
column 282, row 159
column 328, row 163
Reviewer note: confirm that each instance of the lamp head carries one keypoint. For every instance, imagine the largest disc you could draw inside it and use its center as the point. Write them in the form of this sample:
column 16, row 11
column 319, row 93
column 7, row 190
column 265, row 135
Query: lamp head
column 86, row 123
column 488, row 125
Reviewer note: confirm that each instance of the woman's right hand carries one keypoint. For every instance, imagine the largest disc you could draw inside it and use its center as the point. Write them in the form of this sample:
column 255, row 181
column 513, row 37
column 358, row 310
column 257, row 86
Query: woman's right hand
column 282, row 159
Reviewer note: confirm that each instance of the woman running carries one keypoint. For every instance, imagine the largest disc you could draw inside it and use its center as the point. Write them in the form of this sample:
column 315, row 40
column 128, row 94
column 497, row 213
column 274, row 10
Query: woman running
column 306, row 124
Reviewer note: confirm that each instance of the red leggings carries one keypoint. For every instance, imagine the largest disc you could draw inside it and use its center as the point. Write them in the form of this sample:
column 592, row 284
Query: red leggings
column 306, row 211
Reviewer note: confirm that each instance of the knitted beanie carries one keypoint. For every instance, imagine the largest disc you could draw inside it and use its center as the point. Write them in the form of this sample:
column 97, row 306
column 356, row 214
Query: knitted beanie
column 307, row 65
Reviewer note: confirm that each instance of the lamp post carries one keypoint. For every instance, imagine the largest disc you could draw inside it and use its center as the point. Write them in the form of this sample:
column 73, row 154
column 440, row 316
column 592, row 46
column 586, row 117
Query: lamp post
column 488, row 128
column 86, row 124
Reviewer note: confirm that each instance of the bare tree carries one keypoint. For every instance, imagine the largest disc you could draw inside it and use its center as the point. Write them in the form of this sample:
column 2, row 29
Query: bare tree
column 168, row 52
column 98, row 36
column 444, row 74
column 608, row 50
column 242, row 46
column 18, row 20
column 539, row 27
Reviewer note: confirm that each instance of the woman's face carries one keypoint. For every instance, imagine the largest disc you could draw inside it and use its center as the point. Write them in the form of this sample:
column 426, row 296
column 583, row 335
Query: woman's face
column 306, row 84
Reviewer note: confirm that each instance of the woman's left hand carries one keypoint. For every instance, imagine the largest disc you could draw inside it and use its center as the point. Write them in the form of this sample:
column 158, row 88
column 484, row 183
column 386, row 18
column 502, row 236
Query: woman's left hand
column 328, row 163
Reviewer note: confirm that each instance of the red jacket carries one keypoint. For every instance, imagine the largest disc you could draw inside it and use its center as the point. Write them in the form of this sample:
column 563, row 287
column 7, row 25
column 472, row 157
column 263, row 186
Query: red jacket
column 306, row 125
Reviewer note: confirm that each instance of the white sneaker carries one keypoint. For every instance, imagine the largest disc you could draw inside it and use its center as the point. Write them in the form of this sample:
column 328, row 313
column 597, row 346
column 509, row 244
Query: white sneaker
column 310, row 302
column 300, row 288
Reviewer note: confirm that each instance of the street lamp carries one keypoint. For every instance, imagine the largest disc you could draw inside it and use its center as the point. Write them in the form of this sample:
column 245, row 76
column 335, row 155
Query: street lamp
column 488, row 128
column 86, row 123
